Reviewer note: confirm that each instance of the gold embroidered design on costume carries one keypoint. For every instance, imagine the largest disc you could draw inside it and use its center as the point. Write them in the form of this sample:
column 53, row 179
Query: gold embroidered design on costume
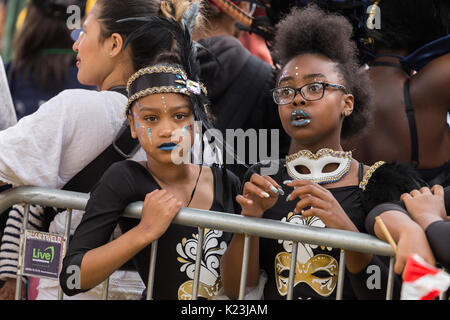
column 320, row 271
column 210, row 282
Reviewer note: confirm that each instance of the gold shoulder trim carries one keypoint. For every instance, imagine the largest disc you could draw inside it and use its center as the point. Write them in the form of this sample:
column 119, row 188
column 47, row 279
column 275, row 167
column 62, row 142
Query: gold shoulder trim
column 366, row 178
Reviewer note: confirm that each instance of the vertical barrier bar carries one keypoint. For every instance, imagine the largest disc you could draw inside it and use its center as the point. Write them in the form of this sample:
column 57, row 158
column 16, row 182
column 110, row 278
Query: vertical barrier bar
column 292, row 270
column 105, row 289
column 151, row 271
column 341, row 275
column 244, row 269
column 18, row 293
column 390, row 284
column 443, row 293
column 106, row 282
column 67, row 237
column 198, row 260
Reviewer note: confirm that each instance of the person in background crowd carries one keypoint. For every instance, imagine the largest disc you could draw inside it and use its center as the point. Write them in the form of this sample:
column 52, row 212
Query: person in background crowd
column 409, row 65
column 44, row 62
column 238, row 86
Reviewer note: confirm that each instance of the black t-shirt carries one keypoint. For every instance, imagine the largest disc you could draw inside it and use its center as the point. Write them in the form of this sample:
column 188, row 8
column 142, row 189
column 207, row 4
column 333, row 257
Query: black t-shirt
column 128, row 181
column 317, row 266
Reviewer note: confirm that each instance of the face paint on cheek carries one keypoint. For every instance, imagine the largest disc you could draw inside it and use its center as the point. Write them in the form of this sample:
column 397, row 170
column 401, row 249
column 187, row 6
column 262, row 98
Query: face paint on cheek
column 149, row 134
column 185, row 129
column 136, row 119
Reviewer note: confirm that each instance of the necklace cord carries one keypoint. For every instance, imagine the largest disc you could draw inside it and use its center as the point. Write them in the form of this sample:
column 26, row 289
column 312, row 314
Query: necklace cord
column 195, row 187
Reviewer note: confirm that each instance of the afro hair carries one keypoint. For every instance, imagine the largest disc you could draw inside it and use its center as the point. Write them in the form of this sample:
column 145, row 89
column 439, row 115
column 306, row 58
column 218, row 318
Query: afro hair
column 312, row 30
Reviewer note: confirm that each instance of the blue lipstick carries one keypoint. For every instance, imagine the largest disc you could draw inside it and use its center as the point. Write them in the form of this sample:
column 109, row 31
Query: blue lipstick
column 167, row 146
column 300, row 118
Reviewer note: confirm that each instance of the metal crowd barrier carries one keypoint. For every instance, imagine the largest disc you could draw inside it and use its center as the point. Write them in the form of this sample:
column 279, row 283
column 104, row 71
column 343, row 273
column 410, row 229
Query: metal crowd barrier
column 202, row 219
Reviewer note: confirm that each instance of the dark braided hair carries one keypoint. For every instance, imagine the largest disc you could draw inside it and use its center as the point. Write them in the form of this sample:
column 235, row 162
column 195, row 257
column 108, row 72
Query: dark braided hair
column 312, row 30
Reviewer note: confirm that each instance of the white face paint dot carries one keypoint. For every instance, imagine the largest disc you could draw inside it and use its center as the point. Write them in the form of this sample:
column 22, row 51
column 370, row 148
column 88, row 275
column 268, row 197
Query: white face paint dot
column 164, row 103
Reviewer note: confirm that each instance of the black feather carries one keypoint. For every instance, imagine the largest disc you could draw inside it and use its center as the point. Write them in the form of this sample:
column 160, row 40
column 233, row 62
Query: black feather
column 389, row 182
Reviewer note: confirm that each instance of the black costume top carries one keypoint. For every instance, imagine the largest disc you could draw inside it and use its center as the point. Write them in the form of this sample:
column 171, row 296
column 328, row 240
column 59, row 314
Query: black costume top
column 126, row 182
column 438, row 232
column 317, row 266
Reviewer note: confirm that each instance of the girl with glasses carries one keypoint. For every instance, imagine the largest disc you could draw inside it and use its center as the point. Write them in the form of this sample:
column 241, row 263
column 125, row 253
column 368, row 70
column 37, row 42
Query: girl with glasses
column 322, row 96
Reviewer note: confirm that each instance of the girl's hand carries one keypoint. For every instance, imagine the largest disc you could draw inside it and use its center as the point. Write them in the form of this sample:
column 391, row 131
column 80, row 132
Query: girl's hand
column 425, row 206
column 259, row 195
column 158, row 211
column 322, row 204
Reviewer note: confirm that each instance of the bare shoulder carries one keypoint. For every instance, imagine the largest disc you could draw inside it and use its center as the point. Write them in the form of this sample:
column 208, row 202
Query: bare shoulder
column 433, row 81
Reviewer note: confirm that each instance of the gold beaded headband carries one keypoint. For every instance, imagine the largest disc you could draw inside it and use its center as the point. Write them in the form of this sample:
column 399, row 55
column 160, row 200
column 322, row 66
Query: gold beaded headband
column 161, row 78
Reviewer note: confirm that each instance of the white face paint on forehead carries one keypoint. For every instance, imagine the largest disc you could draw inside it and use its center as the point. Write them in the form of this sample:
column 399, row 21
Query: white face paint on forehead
column 163, row 99
column 285, row 73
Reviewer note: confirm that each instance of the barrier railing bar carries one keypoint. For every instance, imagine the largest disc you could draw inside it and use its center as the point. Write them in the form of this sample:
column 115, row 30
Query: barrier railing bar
column 198, row 260
column 244, row 268
column 26, row 213
column 265, row 228
column 341, row 275
column 226, row 222
column 67, row 239
column 390, row 284
column 292, row 270
column 105, row 292
column 151, row 271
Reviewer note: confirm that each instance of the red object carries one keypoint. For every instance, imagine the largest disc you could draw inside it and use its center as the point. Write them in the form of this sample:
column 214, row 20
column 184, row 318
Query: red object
column 422, row 281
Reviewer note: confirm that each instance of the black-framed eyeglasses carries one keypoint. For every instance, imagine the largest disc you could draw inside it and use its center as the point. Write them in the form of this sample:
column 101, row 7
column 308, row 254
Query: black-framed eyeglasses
column 310, row 92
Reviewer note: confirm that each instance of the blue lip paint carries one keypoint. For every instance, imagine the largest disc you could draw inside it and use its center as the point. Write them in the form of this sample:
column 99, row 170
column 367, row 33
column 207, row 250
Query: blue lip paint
column 149, row 133
column 300, row 123
column 168, row 147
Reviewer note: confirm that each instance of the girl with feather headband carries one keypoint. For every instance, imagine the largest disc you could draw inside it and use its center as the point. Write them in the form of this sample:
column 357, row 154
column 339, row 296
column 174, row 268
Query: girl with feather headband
column 164, row 99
